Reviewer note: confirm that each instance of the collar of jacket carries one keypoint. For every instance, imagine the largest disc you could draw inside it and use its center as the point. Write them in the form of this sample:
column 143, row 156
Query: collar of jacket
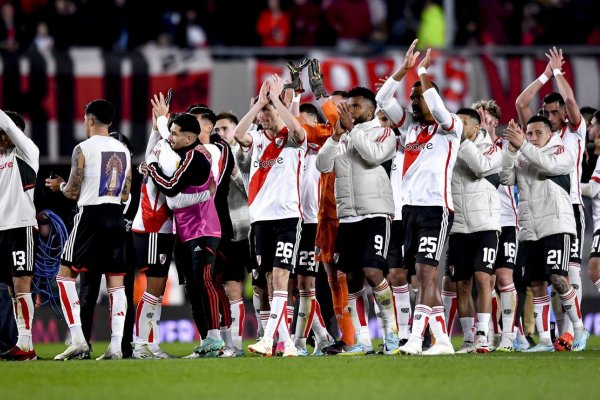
column 184, row 150
column 369, row 124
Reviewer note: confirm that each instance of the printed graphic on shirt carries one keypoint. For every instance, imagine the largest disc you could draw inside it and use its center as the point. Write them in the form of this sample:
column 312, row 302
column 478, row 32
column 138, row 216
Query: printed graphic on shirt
column 112, row 175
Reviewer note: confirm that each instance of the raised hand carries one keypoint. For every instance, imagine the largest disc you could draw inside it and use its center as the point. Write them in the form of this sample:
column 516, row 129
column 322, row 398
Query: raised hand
column 410, row 57
column 346, row 120
column 276, row 86
column 380, row 82
column 262, row 94
column 515, row 135
column 555, row 59
column 426, row 61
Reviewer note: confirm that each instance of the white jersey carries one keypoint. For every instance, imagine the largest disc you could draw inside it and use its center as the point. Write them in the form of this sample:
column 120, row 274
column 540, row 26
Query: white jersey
column 237, row 200
column 396, row 178
column 430, row 153
column 309, row 186
column 275, row 173
column 153, row 215
column 107, row 163
column 592, row 190
column 573, row 138
column 508, row 203
column 18, row 171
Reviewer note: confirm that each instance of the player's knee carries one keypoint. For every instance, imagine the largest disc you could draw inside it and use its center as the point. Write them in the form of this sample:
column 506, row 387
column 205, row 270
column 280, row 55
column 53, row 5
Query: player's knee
column 398, row 277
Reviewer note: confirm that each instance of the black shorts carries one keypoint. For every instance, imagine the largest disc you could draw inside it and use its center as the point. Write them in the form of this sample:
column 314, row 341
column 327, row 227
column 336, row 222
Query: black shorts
column 541, row 258
column 17, row 250
column 471, row 252
column 306, row 265
column 154, row 252
column 363, row 244
column 97, row 240
column 507, row 248
column 277, row 243
column 577, row 241
column 595, row 250
column 425, row 231
column 233, row 258
column 395, row 254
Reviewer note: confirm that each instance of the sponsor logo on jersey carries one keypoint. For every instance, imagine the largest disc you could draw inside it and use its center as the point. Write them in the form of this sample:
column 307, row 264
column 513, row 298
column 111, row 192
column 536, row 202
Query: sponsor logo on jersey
column 6, row 165
column 415, row 146
column 268, row 163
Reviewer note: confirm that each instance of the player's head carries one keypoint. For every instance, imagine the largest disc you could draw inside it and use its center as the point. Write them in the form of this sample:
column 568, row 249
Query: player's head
column 309, row 114
column 594, row 127
column 539, row 130
column 491, row 110
column 471, row 121
column 420, row 110
column 99, row 115
column 269, row 118
column 555, row 110
column 123, row 139
column 207, row 119
column 339, row 96
column 362, row 104
column 225, row 126
column 184, row 129
column 587, row 113
column 383, row 118
column 5, row 142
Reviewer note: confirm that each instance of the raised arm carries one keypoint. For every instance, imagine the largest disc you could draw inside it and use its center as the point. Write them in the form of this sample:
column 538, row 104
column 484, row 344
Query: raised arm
column 390, row 86
column 294, row 126
column 241, row 130
column 524, row 99
column 483, row 160
column 555, row 62
column 27, row 150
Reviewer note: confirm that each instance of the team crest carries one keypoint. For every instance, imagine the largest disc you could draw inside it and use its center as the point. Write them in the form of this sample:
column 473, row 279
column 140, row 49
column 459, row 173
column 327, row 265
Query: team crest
column 278, row 142
column 336, row 257
column 162, row 258
column 258, row 259
column 112, row 175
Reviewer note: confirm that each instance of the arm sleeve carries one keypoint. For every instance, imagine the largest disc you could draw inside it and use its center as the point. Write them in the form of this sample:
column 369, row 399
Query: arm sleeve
column 388, row 104
column 331, row 112
column 194, row 168
column 374, row 147
column 27, row 150
column 507, row 174
column 326, row 156
column 558, row 163
column 162, row 123
column 449, row 122
column 183, row 200
column 482, row 161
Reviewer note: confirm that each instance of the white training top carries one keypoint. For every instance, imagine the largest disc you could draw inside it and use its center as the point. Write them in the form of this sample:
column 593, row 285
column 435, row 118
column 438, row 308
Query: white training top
column 573, row 137
column 592, row 190
column 508, row 203
column 396, row 178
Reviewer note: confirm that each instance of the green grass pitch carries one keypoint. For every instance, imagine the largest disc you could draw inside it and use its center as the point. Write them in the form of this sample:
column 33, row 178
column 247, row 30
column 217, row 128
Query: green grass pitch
column 482, row 376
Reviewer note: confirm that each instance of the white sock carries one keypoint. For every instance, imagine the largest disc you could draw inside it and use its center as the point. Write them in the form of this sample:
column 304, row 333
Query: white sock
column 508, row 304
column 438, row 325
column 420, row 321
column 154, row 338
column 483, row 322
column 117, row 310
column 277, row 316
column 356, row 304
column 571, row 306
column 214, row 334
column 238, row 313
column 379, row 316
column 256, row 303
column 449, row 302
column 226, row 336
column 318, row 325
column 493, row 327
column 306, row 314
column 468, row 326
column 402, row 308
column 144, row 314
column 562, row 322
column 521, row 335
column 23, row 309
column 69, row 301
column 385, row 301
column 541, row 313
column 264, row 318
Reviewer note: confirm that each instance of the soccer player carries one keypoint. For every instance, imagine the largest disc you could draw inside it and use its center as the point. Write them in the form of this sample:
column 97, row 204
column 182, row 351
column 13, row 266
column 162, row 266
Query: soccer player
column 592, row 190
column 430, row 152
column 541, row 168
column 473, row 240
column 274, row 201
column 507, row 243
column 19, row 164
column 100, row 181
column 562, row 111
column 365, row 206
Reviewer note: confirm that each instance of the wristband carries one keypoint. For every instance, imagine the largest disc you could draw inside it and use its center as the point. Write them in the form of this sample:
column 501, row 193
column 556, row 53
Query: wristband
column 296, row 98
column 62, row 186
column 556, row 72
column 422, row 71
column 543, row 79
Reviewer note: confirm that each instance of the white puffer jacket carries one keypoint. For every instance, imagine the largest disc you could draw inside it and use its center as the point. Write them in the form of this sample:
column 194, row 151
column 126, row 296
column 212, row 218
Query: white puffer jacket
column 361, row 184
column 474, row 186
column 542, row 177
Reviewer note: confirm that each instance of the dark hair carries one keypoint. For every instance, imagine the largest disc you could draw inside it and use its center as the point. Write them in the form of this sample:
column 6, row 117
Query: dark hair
column 310, row 109
column 199, row 106
column 17, row 119
column 553, row 98
column 123, row 139
column 187, row 122
column 228, row 115
column 587, row 110
column 540, row 118
column 597, row 116
column 341, row 93
column 203, row 111
column 470, row 113
column 418, row 83
column 102, row 110
column 364, row 92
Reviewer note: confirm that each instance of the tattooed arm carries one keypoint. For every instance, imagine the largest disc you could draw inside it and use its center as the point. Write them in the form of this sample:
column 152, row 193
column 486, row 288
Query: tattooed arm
column 126, row 188
column 72, row 188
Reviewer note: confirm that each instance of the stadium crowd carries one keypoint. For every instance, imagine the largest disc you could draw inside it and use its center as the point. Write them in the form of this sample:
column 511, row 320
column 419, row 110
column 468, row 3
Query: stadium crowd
column 359, row 185
column 347, row 24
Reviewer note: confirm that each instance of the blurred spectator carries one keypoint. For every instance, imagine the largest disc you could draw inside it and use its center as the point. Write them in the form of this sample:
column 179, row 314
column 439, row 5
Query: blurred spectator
column 305, row 19
column 492, row 19
column 432, row 32
column 42, row 41
column 378, row 12
column 189, row 33
column 10, row 29
column 351, row 19
column 273, row 25
column 63, row 24
column 467, row 27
